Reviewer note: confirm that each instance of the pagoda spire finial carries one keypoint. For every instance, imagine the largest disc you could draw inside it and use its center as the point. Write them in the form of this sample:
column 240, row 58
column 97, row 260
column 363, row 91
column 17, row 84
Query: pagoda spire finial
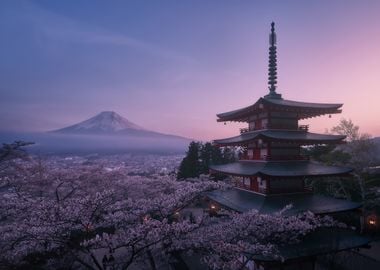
column 272, row 70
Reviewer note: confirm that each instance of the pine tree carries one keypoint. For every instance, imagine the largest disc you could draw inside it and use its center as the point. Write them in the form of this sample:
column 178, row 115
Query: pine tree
column 206, row 157
column 216, row 155
column 190, row 165
column 200, row 156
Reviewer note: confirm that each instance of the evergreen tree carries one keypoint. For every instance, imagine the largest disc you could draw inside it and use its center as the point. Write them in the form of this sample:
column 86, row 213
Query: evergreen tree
column 206, row 157
column 190, row 165
column 216, row 155
column 200, row 156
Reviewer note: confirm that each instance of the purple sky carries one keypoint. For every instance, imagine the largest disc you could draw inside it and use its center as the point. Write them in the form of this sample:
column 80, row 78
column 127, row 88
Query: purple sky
column 170, row 66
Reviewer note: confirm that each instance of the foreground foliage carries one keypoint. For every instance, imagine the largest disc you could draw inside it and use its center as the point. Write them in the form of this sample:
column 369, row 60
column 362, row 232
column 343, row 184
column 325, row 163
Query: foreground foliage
column 88, row 216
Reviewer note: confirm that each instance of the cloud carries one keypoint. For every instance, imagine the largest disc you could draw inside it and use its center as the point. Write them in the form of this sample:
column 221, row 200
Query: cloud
column 102, row 37
column 51, row 25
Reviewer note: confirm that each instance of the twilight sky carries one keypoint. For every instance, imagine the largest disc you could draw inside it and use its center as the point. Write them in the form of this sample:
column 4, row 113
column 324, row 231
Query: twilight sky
column 170, row 66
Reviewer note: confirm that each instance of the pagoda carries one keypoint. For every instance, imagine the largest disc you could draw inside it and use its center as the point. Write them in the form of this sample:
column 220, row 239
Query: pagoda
column 271, row 171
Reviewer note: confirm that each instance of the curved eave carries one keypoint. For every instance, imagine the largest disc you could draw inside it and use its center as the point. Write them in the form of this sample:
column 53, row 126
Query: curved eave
column 319, row 242
column 243, row 201
column 280, row 169
column 303, row 109
column 301, row 104
column 300, row 137
column 235, row 115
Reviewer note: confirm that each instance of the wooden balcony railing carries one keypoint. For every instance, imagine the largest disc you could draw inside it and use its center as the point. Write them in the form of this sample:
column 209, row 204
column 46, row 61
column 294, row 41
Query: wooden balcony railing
column 274, row 190
column 290, row 157
column 263, row 190
column 281, row 126
column 274, row 158
column 303, row 128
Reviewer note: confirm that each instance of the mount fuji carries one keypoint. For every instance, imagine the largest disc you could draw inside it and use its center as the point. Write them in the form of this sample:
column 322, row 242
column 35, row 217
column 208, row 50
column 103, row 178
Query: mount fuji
column 111, row 123
column 106, row 132
column 104, row 122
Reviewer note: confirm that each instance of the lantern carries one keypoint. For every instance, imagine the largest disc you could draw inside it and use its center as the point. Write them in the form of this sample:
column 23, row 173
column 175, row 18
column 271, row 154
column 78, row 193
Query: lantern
column 372, row 221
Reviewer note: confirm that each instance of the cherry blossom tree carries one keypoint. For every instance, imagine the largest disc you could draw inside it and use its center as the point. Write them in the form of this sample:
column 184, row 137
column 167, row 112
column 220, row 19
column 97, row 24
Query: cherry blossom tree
column 86, row 216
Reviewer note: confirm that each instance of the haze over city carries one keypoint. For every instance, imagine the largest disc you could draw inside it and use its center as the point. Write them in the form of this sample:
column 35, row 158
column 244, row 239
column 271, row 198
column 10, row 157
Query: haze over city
column 170, row 66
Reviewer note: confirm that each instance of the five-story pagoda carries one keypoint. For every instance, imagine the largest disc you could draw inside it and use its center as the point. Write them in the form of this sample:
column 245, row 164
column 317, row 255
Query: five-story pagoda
column 272, row 167
column 271, row 172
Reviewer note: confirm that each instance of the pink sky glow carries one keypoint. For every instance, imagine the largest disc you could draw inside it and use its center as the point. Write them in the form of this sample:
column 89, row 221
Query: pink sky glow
column 172, row 67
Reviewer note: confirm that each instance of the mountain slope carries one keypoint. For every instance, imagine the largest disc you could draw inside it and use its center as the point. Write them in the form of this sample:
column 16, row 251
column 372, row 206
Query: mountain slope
column 104, row 122
column 111, row 123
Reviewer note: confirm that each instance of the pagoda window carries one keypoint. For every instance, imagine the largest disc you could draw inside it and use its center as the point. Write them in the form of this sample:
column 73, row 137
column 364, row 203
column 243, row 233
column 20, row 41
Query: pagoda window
column 264, row 123
column 252, row 125
column 252, row 118
column 263, row 153
column 258, row 124
column 262, row 184
column 250, row 153
column 254, row 184
column 247, row 183
column 256, row 153
column 261, row 144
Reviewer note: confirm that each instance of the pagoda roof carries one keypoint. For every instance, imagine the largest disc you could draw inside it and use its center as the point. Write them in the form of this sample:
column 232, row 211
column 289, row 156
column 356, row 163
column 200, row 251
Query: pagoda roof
column 243, row 200
column 298, row 136
column 279, row 168
column 303, row 109
column 319, row 242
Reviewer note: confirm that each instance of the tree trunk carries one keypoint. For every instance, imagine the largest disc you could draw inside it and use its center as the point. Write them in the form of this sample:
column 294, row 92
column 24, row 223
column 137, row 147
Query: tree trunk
column 151, row 260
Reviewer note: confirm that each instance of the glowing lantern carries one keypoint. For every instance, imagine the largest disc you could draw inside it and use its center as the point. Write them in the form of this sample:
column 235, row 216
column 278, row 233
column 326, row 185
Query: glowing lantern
column 372, row 221
column 213, row 210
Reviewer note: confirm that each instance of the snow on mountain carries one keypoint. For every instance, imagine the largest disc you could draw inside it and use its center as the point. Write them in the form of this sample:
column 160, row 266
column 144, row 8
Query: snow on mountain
column 106, row 132
column 111, row 123
column 104, row 122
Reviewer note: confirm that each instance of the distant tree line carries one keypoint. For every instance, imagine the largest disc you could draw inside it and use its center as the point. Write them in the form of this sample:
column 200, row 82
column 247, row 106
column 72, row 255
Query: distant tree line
column 200, row 156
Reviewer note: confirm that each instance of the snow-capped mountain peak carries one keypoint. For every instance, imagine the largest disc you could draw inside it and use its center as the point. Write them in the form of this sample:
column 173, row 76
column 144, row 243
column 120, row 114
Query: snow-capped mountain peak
column 112, row 124
column 104, row 122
